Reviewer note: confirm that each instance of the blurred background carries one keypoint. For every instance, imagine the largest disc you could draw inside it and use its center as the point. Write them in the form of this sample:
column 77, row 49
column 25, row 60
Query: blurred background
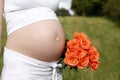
column 108, row 8
column 100, row 20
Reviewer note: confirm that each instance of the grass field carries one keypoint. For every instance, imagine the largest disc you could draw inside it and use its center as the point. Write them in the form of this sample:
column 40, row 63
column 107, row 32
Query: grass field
column 105, row 35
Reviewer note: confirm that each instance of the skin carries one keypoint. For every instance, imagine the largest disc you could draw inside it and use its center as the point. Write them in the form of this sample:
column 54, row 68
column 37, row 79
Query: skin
column 43, row 40
column 1, row 13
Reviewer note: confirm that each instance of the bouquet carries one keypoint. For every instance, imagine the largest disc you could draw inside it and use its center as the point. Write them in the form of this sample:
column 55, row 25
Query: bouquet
column 80, row 52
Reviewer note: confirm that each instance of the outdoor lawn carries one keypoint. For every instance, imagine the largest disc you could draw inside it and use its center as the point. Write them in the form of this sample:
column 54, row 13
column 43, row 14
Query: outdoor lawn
column 105, row 35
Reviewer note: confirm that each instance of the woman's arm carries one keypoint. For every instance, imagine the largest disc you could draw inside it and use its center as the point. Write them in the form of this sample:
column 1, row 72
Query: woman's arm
column 1, row 15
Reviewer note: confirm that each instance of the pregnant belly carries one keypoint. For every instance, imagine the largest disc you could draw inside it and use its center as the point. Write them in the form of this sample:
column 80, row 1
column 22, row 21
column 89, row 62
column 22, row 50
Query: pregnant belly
column 43, row 40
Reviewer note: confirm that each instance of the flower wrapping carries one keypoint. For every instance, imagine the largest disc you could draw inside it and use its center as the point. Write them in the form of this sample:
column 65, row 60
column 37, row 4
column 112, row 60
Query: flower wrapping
column 81, row 53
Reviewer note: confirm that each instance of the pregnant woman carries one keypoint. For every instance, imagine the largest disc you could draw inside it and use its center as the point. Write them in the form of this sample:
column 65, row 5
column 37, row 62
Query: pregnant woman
column 35, row 40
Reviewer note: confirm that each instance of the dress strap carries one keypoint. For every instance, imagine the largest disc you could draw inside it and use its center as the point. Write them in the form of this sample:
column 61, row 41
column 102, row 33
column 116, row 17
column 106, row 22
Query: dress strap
column 55, row 66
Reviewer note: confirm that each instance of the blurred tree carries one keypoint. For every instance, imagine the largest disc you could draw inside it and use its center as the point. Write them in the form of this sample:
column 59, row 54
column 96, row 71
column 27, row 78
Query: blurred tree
column 88, row 7
column 62, row 12
column 112, row 9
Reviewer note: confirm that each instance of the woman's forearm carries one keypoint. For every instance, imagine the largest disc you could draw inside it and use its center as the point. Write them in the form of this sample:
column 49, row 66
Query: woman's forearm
column 0, row 37
column 1, row 15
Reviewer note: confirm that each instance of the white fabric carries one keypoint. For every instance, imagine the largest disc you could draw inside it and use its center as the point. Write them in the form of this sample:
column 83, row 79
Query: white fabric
column 17, row 5
column 19, row 13
column 21, row 67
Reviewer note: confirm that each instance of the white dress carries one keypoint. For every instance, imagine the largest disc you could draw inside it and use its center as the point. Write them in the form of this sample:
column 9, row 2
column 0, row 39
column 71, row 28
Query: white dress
column 19, row 13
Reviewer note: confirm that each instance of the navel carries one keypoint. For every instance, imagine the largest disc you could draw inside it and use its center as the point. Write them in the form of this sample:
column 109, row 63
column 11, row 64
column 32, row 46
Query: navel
column 57, row 38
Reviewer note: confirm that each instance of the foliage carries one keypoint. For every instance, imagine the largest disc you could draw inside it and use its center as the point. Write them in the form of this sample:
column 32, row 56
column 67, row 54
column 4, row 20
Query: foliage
column 109, row 8
column 88, row 7
column 112, row 9
column 62, row 12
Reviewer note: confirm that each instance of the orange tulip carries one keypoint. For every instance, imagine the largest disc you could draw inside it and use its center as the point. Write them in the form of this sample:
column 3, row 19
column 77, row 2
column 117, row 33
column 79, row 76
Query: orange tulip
column 77, row 35
column 85, row 42
column 71, row 61
column 80, row 53
column 94, row 65
column 83, row 62
column 93, row 53
column 73, row 44
column 68, row 52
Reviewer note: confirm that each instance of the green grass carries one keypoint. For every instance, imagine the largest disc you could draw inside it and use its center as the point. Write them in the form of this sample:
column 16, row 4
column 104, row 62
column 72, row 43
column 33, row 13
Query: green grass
column 105, row 35
column 3, row 44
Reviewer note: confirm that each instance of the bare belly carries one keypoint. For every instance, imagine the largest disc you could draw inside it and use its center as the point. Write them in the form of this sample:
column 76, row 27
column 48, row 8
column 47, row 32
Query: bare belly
column 43, row 40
